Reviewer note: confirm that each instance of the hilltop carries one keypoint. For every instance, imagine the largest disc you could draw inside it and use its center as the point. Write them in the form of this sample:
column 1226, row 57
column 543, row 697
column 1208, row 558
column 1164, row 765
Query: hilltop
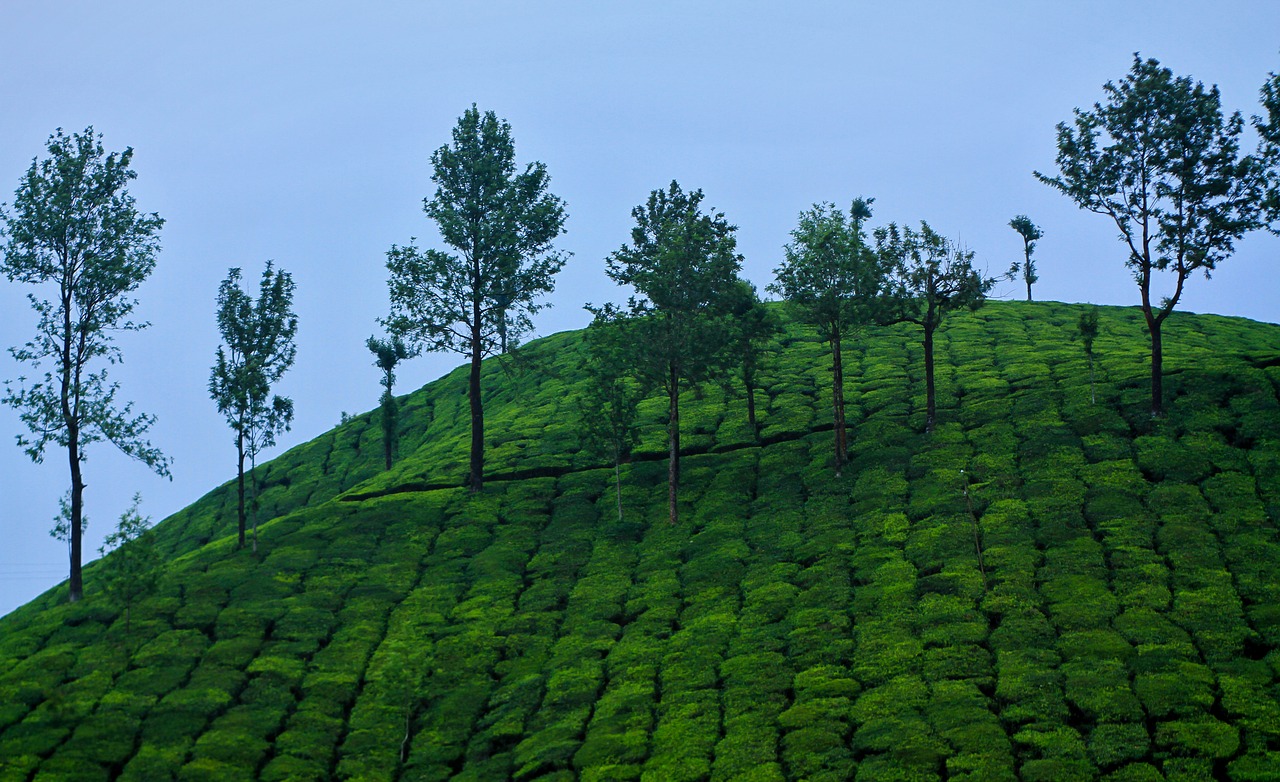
column 1042, row 589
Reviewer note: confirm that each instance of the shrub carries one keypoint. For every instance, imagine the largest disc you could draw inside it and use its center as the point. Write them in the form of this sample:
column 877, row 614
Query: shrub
column 1202, row 737
column 1114, row 743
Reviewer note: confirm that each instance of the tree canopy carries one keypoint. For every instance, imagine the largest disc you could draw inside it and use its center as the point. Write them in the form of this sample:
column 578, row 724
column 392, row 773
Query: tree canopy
column 832, row 279
column 1030, row 233
column 258, row 350
column 75, row 233
column 1162, row 161
column 388, row 352
column 1268, row 128
column 929, row 276
column 500, row 223
column 682, row 262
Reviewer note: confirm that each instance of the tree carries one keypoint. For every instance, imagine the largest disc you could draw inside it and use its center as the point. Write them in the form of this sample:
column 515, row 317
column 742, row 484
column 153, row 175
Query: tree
column 1029, row 233
column 501, row 224
column 387, row 354
column 132, row 568
column 751, row 326
column 259, row 349
column 929, row 277
column 1163, row 163
column 607, row 407
column 682, row 263
column 1088, row 326
column 75, row 229
column 833, row 279
column 1269, row 150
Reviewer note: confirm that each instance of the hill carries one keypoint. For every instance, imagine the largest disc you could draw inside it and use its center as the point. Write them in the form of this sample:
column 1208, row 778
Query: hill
column 1043, row 589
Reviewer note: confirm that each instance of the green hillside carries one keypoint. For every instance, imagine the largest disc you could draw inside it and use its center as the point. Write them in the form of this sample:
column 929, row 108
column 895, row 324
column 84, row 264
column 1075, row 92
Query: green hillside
column 1043, row 589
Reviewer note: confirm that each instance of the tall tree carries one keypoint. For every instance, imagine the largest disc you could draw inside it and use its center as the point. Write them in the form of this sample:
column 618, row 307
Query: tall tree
column 133, row 567
column 929, row 277
column 607, row 407
column 682, row 263
column 259, row 349
column 751, row 326
column 76, row 234
column 1029, row 233
column 501, row 225
column 833, row 279
column 387, row 354
column 1161, row 160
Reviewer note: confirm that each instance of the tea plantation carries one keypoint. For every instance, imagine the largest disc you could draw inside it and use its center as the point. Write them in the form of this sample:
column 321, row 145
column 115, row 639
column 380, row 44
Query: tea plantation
column 1043, row 589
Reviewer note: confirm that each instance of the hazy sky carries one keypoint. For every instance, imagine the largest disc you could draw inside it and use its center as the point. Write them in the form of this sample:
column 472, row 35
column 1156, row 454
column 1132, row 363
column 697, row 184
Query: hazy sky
column 301, row 132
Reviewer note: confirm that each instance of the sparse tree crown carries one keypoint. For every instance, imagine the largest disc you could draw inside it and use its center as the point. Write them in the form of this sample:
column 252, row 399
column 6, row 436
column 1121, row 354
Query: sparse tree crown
column 1162, row 161
column 75, row 233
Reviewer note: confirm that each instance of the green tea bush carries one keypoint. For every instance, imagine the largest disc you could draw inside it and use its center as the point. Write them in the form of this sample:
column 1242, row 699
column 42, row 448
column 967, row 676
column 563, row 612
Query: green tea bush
column 1202, row 737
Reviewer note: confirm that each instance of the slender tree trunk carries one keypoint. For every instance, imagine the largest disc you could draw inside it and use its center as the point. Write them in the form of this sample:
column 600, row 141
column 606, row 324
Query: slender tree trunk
column 673, row 439
column 388, row 425
column 930, row 402
column 477, row 410
column 1157, row 369
column 253, row 487
column 748, row 380
column 240, row 486
column 75, row 583
column 1028, row 281
column 837, row 400
column 1153, row 328
column 617, row 478
column 1093, row 394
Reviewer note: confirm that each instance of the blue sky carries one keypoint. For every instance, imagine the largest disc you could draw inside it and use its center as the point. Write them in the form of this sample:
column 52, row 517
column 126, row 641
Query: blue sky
column 301, row 132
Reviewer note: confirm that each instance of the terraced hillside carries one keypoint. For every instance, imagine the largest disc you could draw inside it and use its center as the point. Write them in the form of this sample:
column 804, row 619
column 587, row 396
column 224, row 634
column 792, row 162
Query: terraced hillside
column 1043, row 589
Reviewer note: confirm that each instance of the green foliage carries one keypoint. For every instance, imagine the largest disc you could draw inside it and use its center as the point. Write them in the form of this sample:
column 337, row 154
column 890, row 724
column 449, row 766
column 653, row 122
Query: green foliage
column 929, row 276
column 833, row 280
column 792, row 626
column 683, row 264
column 132, row 569
column 387, row 354
column 1163, row 163
column 259, row 349
column 501, row 224
column 74, row 228
column 1029, row 232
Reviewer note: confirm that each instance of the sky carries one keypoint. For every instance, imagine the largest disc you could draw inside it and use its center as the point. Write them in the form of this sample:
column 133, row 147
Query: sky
column 301, row 132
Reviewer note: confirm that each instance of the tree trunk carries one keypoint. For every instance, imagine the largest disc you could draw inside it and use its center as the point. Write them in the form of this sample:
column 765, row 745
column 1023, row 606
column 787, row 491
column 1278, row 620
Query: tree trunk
column 748, row 380
column 1028, row 283
column 75, row 583
column 240, row 486
column 253, row 486
column 388, row 426
column 617, row 480
column 477, row 413
column 930, row 406
column 673, row 439
column 837, row 400
column 1157, row 369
